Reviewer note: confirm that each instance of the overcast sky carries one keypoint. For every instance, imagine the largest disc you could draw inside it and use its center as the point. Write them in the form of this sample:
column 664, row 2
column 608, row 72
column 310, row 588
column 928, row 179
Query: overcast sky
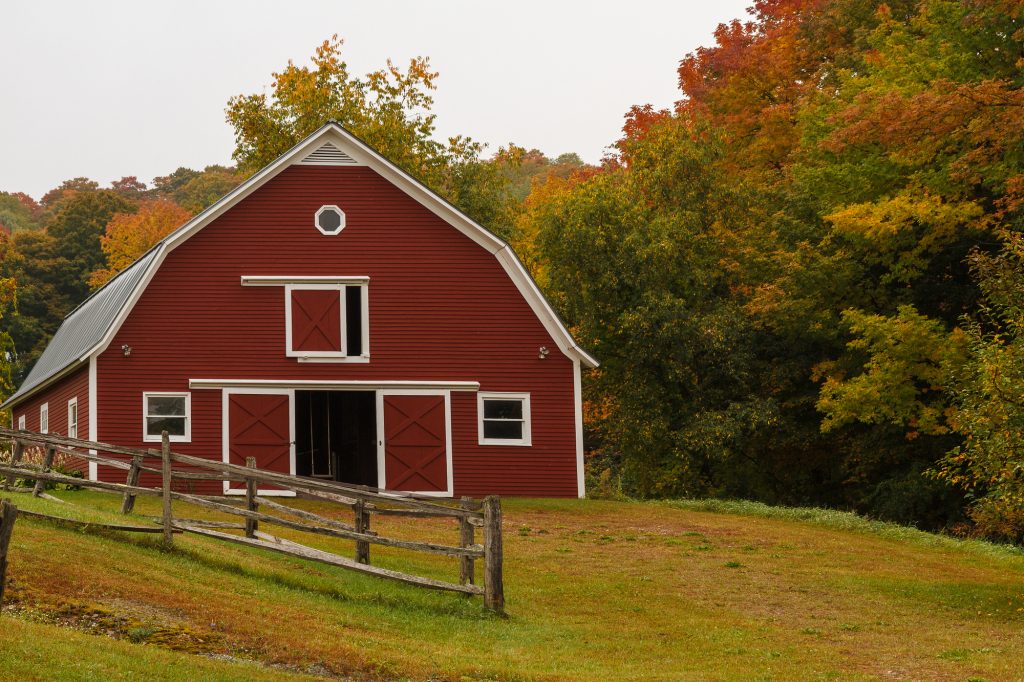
column 106, row 89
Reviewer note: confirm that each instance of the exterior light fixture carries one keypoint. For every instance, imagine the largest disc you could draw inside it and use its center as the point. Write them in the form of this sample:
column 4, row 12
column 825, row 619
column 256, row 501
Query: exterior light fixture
column 127, row 350
column 542, row 352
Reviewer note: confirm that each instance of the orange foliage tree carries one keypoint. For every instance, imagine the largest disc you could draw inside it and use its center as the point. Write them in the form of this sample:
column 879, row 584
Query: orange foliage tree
column 129, row 235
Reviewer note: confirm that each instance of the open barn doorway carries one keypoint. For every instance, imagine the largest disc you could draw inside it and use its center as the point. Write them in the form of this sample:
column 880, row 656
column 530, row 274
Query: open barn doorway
column 336, row 435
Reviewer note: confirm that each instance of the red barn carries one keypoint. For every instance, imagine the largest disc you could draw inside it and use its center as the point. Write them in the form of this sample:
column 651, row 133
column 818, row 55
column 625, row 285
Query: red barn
column 331, row 317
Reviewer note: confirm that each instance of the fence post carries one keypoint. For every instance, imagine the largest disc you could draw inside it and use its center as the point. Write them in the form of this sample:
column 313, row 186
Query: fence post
column 362, row 526
column 494, row 588
column 466, row 564
column 165, row 453
column 128, row 503
column 47, row 462
column 19, row 450
column 251, row 525
column 8, row 514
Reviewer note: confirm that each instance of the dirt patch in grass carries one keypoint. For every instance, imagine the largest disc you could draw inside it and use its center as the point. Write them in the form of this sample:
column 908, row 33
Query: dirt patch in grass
column 121, row 619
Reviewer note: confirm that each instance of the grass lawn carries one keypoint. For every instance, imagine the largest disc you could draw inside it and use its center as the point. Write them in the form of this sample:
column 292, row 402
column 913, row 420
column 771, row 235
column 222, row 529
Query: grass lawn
column 596, row 590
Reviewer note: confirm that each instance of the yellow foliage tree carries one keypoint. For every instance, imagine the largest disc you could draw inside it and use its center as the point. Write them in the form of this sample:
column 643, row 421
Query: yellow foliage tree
column 129, row 235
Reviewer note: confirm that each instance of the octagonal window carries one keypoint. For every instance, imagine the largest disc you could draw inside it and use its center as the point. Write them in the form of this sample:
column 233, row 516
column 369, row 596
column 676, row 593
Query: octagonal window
column 330, row 220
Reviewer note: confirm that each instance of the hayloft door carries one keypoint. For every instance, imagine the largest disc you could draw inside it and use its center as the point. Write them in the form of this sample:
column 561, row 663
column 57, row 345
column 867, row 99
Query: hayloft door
column 259, row 424
column 414, row 442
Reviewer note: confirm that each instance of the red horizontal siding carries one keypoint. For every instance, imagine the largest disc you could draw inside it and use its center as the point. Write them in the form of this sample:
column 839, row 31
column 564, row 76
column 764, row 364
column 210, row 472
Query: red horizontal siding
column 441, row 308
column 56, row 396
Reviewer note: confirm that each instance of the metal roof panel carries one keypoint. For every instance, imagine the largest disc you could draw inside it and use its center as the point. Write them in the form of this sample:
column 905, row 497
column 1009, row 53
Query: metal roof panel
column 86, row 325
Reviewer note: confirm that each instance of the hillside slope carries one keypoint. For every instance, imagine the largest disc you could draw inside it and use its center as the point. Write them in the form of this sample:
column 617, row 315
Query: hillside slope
column 596, row 590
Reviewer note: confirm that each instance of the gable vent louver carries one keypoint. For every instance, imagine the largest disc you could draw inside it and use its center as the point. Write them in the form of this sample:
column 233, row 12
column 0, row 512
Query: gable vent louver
column 329, row 155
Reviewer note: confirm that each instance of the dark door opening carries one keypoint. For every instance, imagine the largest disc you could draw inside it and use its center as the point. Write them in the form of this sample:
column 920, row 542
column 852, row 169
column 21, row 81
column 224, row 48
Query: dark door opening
column 336, row 435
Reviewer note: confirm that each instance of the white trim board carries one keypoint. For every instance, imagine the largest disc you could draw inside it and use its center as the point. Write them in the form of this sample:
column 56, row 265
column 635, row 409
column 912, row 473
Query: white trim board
column 94, row 467
column 282, row 280
column 577, row 390
column 339, row 385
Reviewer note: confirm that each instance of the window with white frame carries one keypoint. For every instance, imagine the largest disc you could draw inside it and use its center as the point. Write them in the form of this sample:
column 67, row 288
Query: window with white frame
column 44, row 418
column 504, row 418
column 73, row 418
column 170, row 412
column 330, row 220
column 21, row 422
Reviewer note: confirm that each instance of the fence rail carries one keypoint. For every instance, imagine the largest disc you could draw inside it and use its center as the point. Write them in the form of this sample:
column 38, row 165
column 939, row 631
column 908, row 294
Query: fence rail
column 256, row 511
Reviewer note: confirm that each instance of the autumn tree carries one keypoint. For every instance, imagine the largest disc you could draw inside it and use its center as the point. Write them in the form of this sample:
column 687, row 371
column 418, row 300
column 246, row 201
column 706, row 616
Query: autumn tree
column 130, row 187
column 863, row 151
column 80, row 220
column 19, row 211
column 987, row 396
column 52, row 199
column 195, row 190
column 129, row 235
column 390, row 109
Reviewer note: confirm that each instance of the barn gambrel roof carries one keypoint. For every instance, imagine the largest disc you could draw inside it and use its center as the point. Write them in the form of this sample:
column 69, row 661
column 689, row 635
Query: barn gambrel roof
column 89, row 328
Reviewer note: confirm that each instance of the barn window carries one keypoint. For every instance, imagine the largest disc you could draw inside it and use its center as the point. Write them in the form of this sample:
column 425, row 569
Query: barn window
column 504, row 418
column 328, row 322
column 170, row 412
column 21, row 422
column 330, row 220
column 44, row 418
column 73, row 418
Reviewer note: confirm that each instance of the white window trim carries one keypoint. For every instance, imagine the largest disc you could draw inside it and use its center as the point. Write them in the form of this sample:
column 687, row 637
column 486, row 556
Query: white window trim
column 146, row 437
column 73, row 403
column 316, row 220
column 21, row 423
column 527, row 438
column 44, row 418
column 329, row 355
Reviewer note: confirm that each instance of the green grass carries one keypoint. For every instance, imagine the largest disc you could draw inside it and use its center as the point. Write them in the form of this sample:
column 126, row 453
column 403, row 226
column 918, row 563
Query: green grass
column 596, row 590
column 33, row 651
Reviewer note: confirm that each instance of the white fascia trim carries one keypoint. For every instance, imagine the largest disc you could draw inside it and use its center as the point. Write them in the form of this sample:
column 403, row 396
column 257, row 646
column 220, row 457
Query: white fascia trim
column 331, row 385
column 545, row 313
column 285, row 280
column 122, row 315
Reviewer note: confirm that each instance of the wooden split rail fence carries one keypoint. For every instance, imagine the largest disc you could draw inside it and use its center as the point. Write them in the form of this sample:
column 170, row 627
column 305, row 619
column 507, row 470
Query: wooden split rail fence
column 258, row 511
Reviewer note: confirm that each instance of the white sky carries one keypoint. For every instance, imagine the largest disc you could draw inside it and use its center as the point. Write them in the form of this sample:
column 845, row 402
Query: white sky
column 106, row 89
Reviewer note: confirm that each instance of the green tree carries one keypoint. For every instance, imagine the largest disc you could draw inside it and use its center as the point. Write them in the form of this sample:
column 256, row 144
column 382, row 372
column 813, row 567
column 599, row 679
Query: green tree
column 47, row 289
column 78, row 223
column 195, row 190
column 988, row 396
column 635, row 259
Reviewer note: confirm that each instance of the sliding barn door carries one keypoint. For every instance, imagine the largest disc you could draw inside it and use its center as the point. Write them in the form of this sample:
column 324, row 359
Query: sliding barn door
column 260, row 425
column 415, row 442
